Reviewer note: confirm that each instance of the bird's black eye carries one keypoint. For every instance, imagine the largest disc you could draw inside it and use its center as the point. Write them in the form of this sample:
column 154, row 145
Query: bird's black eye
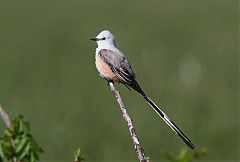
column 103, row 38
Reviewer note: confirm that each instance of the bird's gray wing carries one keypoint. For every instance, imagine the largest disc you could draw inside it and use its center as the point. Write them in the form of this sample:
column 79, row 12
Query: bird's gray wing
column 119, row 65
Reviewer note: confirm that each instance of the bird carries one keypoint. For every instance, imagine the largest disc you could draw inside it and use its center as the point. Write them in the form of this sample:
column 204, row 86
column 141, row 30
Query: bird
column 114, row 66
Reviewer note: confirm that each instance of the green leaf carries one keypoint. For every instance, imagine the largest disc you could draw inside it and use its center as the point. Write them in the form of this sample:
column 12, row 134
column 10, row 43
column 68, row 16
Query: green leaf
column 32, row 158
column 200, row 152
column 25, row 151
column 17, row 141
column 1, row 151
column 35, row 154
column 8, row 132
column 184, row 156
column 20, row 126
column 77, row 156
column 21, row 145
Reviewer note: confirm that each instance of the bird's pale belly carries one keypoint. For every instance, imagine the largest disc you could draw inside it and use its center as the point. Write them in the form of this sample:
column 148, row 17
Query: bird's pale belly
column 104, row 69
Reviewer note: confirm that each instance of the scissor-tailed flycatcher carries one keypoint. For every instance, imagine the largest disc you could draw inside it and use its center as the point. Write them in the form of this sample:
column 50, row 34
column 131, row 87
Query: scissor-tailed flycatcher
column 113, row 65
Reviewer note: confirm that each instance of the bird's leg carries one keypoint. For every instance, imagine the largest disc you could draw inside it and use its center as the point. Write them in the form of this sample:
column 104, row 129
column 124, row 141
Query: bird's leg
column 109, row 81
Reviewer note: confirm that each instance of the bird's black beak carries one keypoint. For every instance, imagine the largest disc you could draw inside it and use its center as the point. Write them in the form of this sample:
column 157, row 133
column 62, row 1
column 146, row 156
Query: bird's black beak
column 94, row 39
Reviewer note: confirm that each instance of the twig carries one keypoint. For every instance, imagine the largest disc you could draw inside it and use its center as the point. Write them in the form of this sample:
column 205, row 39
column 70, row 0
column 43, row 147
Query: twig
column 5, row 117
column 7, row 122
column 138, row 149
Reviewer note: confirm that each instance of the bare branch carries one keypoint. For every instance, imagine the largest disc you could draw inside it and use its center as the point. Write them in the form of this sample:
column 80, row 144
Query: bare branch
column 5, row 117
column 7, row 122
column 138, row 149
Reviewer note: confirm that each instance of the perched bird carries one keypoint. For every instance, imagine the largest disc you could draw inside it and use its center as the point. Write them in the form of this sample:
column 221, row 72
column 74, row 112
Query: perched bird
column 113, row 66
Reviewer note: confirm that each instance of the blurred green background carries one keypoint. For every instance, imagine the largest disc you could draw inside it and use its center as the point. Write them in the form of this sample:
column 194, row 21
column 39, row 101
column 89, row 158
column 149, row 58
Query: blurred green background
column 185, row 55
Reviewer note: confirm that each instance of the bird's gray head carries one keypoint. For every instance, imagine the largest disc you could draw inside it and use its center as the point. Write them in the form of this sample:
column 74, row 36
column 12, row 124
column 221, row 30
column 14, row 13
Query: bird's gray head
column 104, row 38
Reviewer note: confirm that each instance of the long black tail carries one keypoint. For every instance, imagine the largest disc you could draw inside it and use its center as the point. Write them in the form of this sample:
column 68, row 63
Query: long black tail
column 165, row 118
